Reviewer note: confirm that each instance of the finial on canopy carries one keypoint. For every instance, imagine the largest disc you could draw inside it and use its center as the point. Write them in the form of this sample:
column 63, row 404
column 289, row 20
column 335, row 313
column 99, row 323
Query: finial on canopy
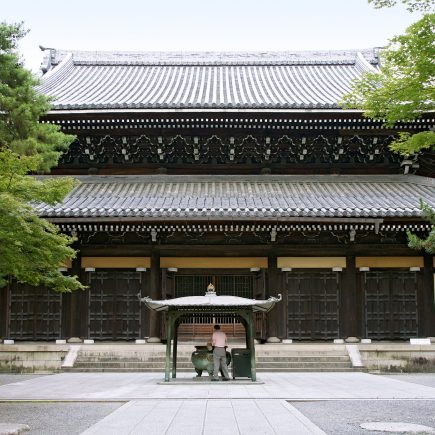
column 210, row 290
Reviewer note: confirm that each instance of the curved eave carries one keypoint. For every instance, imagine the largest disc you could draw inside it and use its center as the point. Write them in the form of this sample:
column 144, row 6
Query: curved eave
column 211, row 303
column 199, row 110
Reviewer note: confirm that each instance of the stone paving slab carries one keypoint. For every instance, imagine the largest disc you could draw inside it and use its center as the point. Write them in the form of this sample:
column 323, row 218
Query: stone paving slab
column 211, row 417
column 345, row 417
column 291, row 386
column 14, row 377
column 56, row 418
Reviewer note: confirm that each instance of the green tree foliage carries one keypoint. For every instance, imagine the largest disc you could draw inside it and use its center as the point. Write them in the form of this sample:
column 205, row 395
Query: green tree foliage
column 21, row 107
column 427, row 244
column 403, row 89
column 31, row 249
column 411, row 5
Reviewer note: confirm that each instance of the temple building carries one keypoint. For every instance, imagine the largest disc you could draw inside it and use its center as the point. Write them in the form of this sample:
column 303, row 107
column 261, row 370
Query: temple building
column 237, row 169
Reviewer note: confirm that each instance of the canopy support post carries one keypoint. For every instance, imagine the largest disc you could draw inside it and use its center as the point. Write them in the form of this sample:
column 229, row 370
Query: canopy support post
column 169, row 333
column 251, row 335
column 174, row 349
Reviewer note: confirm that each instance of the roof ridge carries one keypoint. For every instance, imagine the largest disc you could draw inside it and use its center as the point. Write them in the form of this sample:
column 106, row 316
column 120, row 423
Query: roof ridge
column 88, row 57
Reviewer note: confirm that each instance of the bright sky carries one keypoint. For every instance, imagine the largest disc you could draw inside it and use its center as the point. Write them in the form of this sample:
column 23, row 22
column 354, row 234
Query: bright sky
column 229, row 25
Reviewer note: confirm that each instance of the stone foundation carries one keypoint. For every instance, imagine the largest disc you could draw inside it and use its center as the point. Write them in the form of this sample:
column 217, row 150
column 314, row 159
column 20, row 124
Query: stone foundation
column 32, row 358
column 398, row 358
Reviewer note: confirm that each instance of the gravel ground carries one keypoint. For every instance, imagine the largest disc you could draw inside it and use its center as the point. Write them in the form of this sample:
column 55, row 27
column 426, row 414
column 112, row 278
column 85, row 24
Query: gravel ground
column 56, row 418
column 11, row 378
column 344, row 417
column 427, row 379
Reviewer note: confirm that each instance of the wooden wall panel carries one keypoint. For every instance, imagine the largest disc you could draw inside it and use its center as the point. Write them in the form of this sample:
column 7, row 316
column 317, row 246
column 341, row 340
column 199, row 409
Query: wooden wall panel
column 214, row 262
column 311, row 262
column 116, row 262
column 389, row 262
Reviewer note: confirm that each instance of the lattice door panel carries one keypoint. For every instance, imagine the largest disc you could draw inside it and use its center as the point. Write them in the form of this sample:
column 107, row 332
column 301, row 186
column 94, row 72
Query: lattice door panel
column 313, row 305
column 34, row 313
column 114, row 309
column 390, row 304
column 200, row 326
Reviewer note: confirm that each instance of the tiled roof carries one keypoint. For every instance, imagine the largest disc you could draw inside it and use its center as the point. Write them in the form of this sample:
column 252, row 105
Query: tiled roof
column 244, row 197
column 270, row 80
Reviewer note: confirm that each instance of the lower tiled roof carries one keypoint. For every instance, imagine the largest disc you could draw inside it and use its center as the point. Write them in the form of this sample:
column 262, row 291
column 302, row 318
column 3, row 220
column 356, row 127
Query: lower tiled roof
column 149, row 197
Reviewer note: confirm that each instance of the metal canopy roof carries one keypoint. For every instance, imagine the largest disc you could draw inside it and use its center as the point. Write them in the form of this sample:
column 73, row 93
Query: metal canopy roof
column 80, row 80
column 259, row 197
column 211, row 302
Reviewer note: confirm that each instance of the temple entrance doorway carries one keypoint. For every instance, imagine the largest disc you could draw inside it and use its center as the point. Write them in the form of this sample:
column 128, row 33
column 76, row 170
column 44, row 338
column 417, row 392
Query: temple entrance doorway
column 227, row 283
column 113, row 309
column 390, row 304
column 313, row 305
column 35, row 313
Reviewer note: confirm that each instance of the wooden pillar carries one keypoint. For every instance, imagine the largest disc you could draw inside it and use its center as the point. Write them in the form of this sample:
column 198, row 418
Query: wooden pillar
column 144, row 312
column 4, row 310
column 154, row 293
column 274, row 316
column 77, row 307
column 426, row 302
column 350, row 306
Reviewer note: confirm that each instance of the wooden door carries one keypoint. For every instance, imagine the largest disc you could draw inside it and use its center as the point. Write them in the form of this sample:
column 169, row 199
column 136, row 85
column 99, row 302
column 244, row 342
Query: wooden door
column 35, row 313
column 313, row 305
column 114, row 308
column 390, row 304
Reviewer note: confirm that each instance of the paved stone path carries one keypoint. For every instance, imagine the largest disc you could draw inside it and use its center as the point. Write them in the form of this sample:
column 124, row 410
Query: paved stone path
column 290, row 386
column 210, row 408
column 211, row 417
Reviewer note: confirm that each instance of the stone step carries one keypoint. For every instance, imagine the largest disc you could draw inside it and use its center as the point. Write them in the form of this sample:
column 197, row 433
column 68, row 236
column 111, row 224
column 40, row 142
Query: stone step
column 272, row 357
column 260, row 360
column 308, row 369
column 276, row 365
column 303, row 358
column 258, row 350
column 145, row 360
column 129, row 365
column 181, row 370
column 303, row 365
column 267, row 359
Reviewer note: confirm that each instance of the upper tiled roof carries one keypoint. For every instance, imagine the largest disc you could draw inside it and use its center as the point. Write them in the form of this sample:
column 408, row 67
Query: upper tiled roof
column 81, row 80
column 244, row 197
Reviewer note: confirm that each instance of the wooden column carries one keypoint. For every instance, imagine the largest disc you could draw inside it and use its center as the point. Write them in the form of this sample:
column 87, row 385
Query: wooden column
column 350, row 306
column 4, row 310
column 272, row 289
column 144, row 312
column 76, row 311
column 426, row 302
column 154, row 293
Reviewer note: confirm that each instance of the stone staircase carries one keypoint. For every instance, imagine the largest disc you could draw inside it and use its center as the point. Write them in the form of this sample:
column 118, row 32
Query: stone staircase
column 270, row 358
